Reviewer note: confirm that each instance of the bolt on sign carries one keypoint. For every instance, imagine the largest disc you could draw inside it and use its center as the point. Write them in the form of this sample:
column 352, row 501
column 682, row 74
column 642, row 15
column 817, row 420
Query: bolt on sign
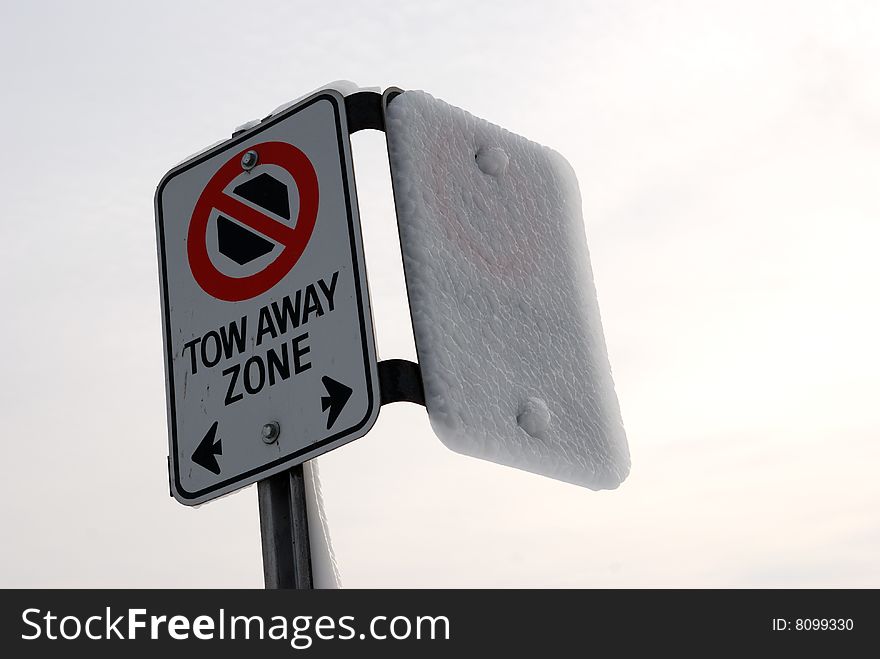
column 269, row 351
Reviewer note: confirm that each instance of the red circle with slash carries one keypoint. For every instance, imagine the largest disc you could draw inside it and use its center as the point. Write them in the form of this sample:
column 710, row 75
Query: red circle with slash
column 293, row 239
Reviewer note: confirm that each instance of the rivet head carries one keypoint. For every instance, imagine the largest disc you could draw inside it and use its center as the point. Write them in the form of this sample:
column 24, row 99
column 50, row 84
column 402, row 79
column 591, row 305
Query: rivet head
column 249, row 160
column 492, row 160
column 270, row 432
column 534, row 417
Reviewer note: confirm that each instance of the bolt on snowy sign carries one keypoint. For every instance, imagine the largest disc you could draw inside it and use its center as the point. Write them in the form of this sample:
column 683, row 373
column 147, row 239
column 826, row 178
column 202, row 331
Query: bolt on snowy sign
column 270, row 356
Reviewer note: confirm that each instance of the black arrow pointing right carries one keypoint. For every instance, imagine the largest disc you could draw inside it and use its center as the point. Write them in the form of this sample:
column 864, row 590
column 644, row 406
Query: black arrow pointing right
column 207, row 451
column 338, row 397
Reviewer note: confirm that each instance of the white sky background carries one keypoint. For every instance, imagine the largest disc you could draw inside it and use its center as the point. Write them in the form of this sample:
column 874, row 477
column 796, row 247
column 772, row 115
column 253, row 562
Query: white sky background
column 729, row 158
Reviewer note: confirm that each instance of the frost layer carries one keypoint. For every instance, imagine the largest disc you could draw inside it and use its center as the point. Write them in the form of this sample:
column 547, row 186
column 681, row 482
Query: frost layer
column 325, row 572
column 502, row 298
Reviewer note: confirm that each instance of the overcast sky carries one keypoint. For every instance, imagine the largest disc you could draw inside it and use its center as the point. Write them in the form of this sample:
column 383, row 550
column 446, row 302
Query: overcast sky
column 729, row 157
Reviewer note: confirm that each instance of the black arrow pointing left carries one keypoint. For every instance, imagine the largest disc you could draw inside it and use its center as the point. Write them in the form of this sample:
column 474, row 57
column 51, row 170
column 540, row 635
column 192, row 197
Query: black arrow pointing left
column 207, row 451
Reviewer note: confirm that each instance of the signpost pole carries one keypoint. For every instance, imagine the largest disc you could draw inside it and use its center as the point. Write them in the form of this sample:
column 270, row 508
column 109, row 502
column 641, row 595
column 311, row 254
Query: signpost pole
column 284, row 530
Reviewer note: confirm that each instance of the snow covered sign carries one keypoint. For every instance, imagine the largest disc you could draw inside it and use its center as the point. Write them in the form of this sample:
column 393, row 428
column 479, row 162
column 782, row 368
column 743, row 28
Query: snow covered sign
column 270, row 357
column 506, row 320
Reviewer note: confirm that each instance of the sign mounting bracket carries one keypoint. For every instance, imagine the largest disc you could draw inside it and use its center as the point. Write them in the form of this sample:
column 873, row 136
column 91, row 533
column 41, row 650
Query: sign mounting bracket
column 400, row 380
column 364, row 111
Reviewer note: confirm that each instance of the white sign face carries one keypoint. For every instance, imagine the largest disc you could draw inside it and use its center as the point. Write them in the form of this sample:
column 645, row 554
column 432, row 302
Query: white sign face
column 269, row 350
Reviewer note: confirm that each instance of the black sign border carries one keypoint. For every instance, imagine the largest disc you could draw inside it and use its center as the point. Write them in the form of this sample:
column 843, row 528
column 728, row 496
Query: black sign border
column 369, row 365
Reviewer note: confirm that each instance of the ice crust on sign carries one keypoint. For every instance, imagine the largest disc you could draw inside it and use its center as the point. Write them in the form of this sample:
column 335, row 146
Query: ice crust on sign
column 325, row 572
column 501, row 292
column 344, row 87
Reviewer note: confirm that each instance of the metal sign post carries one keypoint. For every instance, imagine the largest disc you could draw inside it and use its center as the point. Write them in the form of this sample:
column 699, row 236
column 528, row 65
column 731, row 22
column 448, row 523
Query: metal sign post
column 284, row 529
column 284, row 523
column 270, row 358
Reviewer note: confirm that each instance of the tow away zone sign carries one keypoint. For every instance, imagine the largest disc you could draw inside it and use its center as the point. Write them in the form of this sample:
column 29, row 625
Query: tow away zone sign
column 270, row 356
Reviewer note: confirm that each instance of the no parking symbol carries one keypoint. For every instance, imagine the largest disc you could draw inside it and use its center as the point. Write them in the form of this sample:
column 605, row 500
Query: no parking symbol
column 292, row 239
